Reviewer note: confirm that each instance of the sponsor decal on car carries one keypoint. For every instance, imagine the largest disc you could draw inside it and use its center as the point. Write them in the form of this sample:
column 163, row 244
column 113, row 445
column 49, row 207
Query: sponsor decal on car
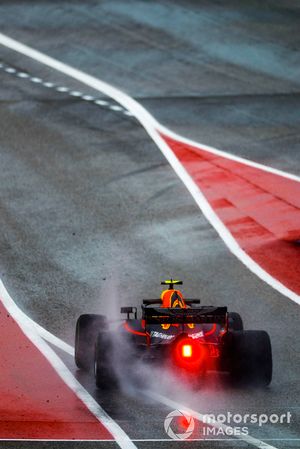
column 157, row 334
column 196, row 335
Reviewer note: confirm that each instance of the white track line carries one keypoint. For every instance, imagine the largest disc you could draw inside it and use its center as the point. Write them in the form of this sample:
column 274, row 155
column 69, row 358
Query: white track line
column 64, row 89
column 226, row 155
column 46, row 335
column 10, row 70
column 34, row 334
column 141, row 114
column 152, row 126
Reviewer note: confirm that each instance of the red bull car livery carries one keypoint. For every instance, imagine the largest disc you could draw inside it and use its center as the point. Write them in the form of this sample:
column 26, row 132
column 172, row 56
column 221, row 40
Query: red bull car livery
column 175, row 332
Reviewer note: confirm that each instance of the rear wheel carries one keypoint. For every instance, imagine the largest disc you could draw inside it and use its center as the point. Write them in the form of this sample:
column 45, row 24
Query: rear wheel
column 251, row 358
column 235, row 322
column 87, row 329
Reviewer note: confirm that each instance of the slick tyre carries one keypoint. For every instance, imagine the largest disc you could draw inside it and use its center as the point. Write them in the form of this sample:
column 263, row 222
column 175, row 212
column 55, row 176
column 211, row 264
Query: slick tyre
column 87, row 329
column 251, row 358
column 235, row 322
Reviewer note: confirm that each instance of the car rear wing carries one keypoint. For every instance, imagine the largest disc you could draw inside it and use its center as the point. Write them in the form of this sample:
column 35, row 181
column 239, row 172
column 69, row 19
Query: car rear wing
column 150, row 302
column 204, row 314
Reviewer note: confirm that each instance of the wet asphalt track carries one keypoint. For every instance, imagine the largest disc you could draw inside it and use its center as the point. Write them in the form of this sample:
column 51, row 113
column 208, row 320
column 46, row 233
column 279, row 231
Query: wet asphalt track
column 90, row 209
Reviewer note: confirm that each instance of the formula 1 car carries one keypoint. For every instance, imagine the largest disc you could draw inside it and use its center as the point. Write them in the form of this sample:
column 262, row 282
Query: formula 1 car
column 176, row 332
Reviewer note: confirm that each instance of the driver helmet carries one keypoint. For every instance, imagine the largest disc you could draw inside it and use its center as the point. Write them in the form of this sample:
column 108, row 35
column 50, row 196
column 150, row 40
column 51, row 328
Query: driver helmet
column 172, row 298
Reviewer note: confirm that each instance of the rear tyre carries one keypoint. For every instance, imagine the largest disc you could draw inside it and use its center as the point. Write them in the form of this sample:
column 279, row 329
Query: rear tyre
column 87, row 329
column 235, row 322
column 251, row 358
column 103, row 362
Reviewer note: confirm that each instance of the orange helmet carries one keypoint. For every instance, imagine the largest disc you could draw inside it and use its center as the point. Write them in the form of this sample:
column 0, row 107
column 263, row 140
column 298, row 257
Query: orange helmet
column 172, row 298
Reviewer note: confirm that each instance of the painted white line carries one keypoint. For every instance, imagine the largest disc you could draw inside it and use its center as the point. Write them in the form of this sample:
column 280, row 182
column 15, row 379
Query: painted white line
column 115, row 107
column 48, row 84
column 226, row 155
column 31, row 333
column 75, row 93
column 152, row 126
column 176, row 406
column 62, row 89
column 46, row 335
column 10, row 70
column 34, row 79
column 88, row 97
column 22, row 75
column 101, row 102
column 55, row 341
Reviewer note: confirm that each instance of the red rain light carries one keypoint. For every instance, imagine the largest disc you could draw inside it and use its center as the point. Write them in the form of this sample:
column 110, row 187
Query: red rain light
column 187, row 351
column 189, row 354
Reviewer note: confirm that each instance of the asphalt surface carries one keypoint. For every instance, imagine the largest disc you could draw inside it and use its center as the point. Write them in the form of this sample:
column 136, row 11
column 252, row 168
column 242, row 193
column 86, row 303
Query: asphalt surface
column 93, row 217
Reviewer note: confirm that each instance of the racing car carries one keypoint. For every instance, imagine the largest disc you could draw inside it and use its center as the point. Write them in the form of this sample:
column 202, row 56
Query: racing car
column 177, row 332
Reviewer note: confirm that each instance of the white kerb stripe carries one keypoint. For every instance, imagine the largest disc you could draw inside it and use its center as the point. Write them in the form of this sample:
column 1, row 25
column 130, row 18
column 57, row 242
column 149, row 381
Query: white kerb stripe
column 31, row 333
column 226, row 155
